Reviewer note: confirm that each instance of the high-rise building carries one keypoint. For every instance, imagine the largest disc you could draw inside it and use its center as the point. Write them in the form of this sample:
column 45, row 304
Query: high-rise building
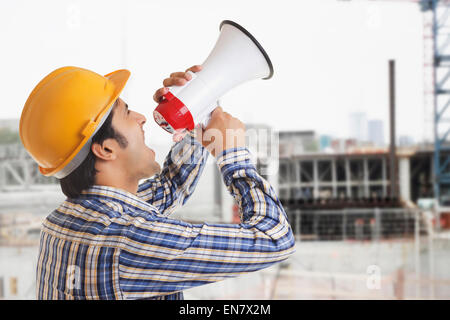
column 405, row 141
column 325, row 142
column 376, row 132
column 298, row 142
column 358, row 126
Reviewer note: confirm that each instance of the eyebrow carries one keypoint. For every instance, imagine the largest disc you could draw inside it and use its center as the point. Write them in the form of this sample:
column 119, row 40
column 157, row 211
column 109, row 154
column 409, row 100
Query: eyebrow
column 126, row 108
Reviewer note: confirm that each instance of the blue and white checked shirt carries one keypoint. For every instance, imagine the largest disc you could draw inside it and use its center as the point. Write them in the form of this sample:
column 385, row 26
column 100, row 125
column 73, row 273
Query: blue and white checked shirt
column 111, row 244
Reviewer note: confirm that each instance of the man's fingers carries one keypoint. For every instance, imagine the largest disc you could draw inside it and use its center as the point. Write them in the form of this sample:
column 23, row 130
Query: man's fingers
column 168, row 82
column 159, row 93
column 175, row 79
column 216, row 112
column 184, row 75
column 195, row 68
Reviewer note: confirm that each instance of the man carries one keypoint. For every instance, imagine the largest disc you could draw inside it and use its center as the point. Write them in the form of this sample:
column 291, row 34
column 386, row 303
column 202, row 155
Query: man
column 112, row 237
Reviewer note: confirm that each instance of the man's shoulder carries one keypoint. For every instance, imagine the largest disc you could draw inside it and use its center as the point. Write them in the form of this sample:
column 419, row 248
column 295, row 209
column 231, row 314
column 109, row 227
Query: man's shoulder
column 105, row 210
column 99, row 206
column 84, row 221
column 84, row 210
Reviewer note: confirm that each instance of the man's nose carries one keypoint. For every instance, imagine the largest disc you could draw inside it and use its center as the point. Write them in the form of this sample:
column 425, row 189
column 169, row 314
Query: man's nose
column 140, row 118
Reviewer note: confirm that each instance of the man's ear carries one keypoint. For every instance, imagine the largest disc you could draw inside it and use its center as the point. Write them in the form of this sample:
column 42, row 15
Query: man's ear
column 105, row 151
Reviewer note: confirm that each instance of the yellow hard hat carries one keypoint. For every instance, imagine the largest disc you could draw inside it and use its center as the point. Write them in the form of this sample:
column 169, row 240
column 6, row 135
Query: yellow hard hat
column 62, row 114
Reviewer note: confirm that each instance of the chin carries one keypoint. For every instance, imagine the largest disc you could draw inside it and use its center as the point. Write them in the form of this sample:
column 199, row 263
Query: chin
column 156, row 168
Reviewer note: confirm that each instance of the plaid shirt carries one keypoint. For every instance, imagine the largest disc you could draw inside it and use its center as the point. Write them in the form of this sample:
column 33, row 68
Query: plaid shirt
column 112, row 244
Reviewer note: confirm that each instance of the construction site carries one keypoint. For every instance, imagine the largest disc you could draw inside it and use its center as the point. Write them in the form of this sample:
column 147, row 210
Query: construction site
column 371, row 218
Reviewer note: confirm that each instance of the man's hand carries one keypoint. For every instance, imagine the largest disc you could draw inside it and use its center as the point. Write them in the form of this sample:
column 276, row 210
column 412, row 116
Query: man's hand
column 178, row 79
column 223, row 132
column 175, row 79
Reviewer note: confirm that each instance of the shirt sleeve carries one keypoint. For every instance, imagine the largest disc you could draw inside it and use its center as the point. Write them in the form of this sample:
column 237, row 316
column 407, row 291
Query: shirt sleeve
column 162, row 255
column 178, row 178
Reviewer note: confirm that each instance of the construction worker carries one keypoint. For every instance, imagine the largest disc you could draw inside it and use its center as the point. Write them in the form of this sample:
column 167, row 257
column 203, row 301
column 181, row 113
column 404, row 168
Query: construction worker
column 112, row 237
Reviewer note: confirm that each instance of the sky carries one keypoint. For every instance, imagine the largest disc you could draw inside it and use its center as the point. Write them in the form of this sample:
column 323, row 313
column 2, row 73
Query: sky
column 330, row 57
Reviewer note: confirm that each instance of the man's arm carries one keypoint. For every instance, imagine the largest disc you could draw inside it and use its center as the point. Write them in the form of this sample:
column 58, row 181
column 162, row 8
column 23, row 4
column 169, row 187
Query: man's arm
column 183, row 165
column 160, row 255
column 178, row 178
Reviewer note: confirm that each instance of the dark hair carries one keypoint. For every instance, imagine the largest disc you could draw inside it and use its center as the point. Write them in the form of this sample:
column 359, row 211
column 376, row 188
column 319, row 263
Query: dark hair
column 83, row 177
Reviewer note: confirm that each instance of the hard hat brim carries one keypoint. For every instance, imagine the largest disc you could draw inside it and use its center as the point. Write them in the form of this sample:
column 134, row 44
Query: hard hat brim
column 119, row 78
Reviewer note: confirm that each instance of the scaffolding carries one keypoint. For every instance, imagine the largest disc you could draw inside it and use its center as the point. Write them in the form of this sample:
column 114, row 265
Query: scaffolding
column 440, row 24
column 334, row 176
column 19, row 170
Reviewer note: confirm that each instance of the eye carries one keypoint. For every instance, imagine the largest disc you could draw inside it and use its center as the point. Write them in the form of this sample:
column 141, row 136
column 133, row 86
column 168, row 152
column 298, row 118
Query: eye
column 128, row 112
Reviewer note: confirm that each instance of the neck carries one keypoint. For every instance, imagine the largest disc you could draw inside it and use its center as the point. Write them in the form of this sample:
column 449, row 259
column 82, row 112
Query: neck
column 117, row 178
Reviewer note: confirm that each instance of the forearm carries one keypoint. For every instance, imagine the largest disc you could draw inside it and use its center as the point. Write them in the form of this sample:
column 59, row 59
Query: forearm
column 257, row 200
column 175, row 254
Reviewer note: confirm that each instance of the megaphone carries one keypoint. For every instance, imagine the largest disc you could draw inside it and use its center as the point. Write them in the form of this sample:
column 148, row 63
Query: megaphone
column 237, row 57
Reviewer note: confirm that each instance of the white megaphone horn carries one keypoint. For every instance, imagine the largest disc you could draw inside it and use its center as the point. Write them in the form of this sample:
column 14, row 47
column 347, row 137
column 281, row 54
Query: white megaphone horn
column 237, row 57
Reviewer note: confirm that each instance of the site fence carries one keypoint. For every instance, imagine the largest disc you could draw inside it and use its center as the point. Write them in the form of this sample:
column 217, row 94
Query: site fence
column 376, row 253
column 356, row 224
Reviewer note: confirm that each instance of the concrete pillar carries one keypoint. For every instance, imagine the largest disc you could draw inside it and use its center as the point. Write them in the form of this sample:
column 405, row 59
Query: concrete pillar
column 316, row 179
column 348, row 177
column 404, row 178
column 299, row 175
column 383, row 173
column 366, row 177
column 333, row 177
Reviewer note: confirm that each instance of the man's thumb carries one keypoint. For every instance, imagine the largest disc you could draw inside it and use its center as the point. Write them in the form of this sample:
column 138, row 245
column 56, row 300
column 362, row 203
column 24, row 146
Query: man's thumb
column 216, row 112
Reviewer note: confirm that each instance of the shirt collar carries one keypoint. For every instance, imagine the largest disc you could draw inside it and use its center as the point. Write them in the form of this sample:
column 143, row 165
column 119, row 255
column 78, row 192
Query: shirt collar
column 124, row 197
